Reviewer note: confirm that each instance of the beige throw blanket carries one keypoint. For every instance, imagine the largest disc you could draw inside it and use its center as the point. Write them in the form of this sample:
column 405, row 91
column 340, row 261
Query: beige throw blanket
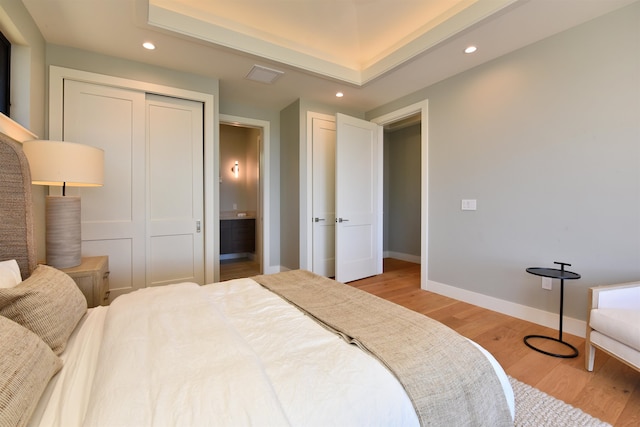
column 446, row 377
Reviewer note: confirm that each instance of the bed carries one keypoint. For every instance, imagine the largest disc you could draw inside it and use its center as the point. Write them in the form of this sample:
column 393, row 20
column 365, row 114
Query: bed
column 290, row 348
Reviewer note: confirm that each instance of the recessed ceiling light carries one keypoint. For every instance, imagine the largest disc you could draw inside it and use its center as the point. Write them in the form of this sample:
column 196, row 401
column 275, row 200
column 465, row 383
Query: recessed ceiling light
column 339, row 94
column 470, row 49
column 148, row 45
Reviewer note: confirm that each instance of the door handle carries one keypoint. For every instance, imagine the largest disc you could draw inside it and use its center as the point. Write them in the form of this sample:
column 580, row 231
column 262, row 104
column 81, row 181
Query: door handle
column 318, row 219
column 342, row 220
column 198, row 227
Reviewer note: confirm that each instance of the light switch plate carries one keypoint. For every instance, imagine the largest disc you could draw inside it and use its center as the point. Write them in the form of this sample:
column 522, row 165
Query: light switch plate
column 469, row 204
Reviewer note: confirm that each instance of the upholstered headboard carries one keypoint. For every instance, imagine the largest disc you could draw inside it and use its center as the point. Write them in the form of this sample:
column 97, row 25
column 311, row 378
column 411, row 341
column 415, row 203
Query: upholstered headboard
column 17, row 240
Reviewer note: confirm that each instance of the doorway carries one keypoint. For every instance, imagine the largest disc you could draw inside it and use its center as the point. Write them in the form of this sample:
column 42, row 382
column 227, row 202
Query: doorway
column 243, row 197
column 421, row 110
column 401, row 190
column 343, row 234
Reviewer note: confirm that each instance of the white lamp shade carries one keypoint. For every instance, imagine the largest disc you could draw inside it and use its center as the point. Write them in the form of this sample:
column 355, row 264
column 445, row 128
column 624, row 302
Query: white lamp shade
column 62, row 162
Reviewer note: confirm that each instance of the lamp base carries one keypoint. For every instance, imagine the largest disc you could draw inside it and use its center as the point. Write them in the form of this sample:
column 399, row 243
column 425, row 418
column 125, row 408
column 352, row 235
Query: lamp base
column 63, row 233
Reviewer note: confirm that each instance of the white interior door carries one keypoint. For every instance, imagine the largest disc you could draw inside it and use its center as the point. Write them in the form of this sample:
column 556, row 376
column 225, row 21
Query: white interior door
column 113, row 216
column 175, row 191
column 323, row 196
column 358, row 198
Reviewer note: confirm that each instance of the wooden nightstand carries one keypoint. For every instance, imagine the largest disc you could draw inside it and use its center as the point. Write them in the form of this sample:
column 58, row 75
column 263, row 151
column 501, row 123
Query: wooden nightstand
column 92, row 277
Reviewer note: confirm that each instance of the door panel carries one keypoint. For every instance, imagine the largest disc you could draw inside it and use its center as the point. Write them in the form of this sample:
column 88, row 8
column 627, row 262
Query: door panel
column 175, row 189
column 113, row 216
column 323, row 193
column 358, row 199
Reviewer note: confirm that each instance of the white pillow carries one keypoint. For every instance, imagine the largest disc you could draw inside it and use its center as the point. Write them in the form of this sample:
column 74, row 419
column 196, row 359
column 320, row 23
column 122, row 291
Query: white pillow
column 9, row 274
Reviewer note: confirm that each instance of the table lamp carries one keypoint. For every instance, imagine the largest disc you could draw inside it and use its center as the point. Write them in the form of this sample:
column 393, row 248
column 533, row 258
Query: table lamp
column 65, row 164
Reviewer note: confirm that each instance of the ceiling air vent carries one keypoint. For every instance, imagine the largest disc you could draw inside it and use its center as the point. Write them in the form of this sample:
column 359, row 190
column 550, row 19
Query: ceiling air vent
column 263, row 74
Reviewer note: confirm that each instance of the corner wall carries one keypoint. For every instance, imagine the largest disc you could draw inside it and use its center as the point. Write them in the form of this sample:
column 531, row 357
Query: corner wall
column 547, row 140
column 290, row 187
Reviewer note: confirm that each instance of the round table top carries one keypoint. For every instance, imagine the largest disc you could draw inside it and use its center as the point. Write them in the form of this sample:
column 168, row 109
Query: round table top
column 554, row 273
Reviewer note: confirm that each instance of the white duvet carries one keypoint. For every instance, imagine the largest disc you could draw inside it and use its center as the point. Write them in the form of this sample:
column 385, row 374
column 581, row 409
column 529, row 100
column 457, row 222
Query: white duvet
column 230, row 353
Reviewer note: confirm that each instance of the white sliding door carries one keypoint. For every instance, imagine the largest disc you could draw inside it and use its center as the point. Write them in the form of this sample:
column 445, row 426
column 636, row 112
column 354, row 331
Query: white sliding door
column 175, row 191
column 113, row 216
column 148, row 217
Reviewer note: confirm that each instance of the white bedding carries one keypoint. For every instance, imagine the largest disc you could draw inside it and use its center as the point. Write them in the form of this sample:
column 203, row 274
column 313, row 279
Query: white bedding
column 66, row 397
column 282, row 370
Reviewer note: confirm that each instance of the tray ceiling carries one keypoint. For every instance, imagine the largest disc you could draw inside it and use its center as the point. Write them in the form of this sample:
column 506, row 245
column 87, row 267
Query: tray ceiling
column 373, row 51
column 351, row 40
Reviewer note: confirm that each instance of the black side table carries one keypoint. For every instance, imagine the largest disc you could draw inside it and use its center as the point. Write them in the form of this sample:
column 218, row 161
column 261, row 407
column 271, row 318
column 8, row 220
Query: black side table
column 561, row 274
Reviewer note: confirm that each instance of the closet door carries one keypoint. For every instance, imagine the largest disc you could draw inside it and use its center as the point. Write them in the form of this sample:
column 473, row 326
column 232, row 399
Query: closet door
column 175, row 191
column 113, row 216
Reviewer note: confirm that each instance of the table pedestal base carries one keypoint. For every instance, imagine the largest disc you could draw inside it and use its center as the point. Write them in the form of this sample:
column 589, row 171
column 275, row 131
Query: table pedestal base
column 564, row 356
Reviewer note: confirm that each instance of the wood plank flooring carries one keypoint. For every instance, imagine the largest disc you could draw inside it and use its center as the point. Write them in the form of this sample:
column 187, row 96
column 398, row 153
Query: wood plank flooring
column 611, row 392
column 238, row 268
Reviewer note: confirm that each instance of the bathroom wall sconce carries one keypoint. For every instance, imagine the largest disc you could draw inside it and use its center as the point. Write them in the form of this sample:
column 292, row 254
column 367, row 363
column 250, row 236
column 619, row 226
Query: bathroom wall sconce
column 235, row 169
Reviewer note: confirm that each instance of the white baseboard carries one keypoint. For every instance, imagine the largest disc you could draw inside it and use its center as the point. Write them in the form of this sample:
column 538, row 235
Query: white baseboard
column 530, row 314
column 403, row 257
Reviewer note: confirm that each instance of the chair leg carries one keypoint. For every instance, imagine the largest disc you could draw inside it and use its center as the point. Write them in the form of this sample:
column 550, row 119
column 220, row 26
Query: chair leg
column 590, row 356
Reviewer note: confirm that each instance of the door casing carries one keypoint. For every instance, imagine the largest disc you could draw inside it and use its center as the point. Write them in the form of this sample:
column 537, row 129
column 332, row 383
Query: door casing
column 265, row 186
column 421, row 107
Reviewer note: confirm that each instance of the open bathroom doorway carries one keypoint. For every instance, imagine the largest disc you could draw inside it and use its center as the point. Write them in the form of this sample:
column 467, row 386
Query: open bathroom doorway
column 241, row 198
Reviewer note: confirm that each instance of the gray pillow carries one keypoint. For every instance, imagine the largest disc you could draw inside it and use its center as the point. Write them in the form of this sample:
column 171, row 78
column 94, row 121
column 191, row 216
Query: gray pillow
column 48, row 303
column 26, row 366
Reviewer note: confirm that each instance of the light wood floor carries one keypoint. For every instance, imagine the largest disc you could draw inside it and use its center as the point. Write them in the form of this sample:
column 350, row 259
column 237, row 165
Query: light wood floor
column 238, row 268
column 611, row 392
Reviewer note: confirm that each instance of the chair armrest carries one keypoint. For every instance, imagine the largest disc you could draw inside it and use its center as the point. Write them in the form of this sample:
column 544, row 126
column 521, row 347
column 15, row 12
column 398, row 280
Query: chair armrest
column 623, row 296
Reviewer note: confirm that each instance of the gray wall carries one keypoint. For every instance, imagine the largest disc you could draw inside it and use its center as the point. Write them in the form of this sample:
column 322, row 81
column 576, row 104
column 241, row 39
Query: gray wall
column 27, row 68
column 290, row 186
column 27, row 88
column 96, row 63
column 547, row 139
column 402, row 191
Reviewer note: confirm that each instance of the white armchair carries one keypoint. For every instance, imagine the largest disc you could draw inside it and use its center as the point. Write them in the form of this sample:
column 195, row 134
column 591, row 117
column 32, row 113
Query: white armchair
column 613, row 323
